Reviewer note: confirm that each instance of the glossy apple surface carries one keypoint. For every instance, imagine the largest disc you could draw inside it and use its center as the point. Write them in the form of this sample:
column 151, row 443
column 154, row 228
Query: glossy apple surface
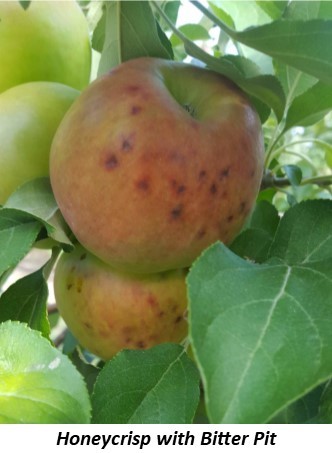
column 49, row 41
column 108, row 311
column 154, row 162
column 29, row 117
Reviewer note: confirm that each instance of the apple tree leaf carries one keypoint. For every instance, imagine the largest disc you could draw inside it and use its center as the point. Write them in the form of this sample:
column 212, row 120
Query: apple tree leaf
column 191, row 31
column 294, row 174
column 25, row 301
column 131, row 31
column 304, row 10
column 18, row 232
column 255, row 241
column 38, row 384
column 274, row 9
column 301, row 44
column 36, row 198
column 303, row 410
column 326, row 404
column 259, row 351
column 310, row 107
column 159, row 385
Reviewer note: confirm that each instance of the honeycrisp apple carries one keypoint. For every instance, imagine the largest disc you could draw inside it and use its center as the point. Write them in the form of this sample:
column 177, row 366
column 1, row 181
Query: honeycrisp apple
column 154, row 162
column 29, row 116
column 48, row 41
column 108, row 311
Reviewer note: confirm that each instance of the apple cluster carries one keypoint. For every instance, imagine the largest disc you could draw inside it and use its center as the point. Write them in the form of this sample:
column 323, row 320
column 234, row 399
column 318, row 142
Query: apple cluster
column 154, row 161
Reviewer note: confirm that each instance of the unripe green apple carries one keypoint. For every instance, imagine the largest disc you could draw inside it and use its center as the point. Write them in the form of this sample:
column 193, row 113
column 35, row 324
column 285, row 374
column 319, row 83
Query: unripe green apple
column 155, row 161
column 108, row 311
column 29, row 117
column 48, row 41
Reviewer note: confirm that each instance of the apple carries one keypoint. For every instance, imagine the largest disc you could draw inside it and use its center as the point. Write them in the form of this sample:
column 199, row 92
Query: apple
column 108, row 311
column 49, row 41
column 155, row 161
column 29, row 116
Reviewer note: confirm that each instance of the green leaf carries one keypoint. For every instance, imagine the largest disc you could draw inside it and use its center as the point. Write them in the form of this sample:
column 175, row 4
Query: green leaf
column 222, row 14
column 36, row 198
column 294, row 82
column 304, row 10
column 326, row 404
column 261, row 334
column 38, row 384
column 25, row 4
column 131, row 31
column 303, row 45
column 304, row 410
column 273, row 9
column 25, row 301
column 304, row 234
column 254, row 243
column 159, row 385
column 171, row 10
column 98, row 36
column 265, row 217
column 310, row 107
column 194, row 32
column 294, row 174
column 18, row 231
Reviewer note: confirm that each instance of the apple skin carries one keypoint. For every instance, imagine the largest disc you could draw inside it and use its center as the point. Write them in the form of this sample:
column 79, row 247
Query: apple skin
column 49, row 41
column 108, row 311
column 155, row 161
column 29, row 117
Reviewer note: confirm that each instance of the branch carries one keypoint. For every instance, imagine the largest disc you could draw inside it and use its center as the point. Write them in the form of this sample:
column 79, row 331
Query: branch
column 269, row 180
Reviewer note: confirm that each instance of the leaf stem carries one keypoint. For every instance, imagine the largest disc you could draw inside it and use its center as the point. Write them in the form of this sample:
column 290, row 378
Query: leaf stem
column 279, row 150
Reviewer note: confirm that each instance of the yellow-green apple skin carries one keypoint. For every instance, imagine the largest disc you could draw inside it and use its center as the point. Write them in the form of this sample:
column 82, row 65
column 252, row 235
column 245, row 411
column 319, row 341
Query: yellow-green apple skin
column 108, row 311
column 155, row 161
column 29, row 117
column 48, row 41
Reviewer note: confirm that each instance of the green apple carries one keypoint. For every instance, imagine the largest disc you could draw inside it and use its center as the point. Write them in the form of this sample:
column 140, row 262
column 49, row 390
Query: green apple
column 155, row 161
column 49, row 41
column 108, row 311
column 29, row 117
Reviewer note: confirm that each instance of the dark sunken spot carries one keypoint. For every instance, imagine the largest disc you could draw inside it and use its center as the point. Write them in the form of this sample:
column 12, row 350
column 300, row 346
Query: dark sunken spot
column 88, row 325
column 140, row 344
column 127, row 144
column 143, row 184
column 243, row 206
column 202, row 174
column 111, row 162
column 176, row 212
column 152, row 301
column 135, row 109
column 181, row 189
column 230, row 218
column 224, row 173
column 252, row 173
column 213, row 189
column 201, row 233
column 161, row 314
column 82, row 257
column 69, row 286
column 178, row 319
column 132, row 88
